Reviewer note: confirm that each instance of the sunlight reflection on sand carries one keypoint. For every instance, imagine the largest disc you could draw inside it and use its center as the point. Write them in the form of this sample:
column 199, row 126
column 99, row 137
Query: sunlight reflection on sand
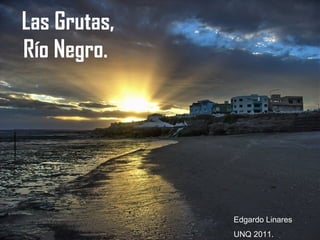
column 126, row 201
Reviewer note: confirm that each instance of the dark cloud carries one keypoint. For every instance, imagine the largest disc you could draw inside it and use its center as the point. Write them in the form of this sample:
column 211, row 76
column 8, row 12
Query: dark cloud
column 180, row 70
column 96, row 105
column 167, row 106
column 22, row 102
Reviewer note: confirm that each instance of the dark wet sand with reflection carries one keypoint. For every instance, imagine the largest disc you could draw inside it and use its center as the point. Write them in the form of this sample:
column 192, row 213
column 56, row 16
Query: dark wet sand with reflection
column 122, row 200
column 191, row 190
column 247, row 175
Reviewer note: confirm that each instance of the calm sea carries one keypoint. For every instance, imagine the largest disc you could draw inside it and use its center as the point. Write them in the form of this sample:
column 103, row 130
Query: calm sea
column 43, row 165
column 69, row 186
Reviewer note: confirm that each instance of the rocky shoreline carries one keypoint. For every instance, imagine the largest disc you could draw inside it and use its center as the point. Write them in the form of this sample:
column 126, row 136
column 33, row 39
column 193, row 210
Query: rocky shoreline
column 210, row 125
column 295, row 122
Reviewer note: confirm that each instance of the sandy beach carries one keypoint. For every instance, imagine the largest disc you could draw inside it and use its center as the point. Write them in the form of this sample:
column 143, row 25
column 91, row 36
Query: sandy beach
column 194, row 189
column 259, row 175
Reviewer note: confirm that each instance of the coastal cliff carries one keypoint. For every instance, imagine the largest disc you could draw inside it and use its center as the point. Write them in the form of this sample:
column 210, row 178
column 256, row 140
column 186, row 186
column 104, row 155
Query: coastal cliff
column 239, row 124
column 210, row 125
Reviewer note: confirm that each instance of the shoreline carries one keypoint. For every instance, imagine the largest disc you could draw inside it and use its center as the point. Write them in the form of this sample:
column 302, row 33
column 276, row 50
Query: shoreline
column 190, row 190
column 116, row 199
column 249, row 175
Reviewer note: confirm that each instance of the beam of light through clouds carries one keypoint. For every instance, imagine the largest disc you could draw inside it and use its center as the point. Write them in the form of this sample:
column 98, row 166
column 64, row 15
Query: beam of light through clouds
column 162, row 56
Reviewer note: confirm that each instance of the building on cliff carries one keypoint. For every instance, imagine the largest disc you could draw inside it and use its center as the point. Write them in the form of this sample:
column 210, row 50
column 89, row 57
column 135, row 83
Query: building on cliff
column 223, row 108
column 287, row 104
column 202, row 107
column 251, row 104
column 206, row 107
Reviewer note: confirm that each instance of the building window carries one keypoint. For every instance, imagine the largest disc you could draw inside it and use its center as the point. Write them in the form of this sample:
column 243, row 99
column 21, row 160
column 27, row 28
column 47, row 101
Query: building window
column 290, row 101
column 240, row 100
column 234, row 106
column 234, row 100
column 248, row 111
column 240, row 106
column 249, row 105
column 266, row 105
column 298, row 101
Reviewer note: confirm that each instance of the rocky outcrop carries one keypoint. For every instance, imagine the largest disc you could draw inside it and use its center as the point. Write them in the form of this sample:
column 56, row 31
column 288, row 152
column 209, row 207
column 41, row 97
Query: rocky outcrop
column 129, row 130
column 196, row 127
column 210, row 125
column 234, row 124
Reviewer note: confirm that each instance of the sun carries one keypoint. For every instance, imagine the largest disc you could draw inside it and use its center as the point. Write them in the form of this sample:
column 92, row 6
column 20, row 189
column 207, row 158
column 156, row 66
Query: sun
column 136, row 104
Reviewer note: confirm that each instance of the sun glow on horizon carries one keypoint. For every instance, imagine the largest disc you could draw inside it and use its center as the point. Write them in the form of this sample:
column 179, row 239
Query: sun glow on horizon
column 136, row 103
column 69, row 118
column 132, row 119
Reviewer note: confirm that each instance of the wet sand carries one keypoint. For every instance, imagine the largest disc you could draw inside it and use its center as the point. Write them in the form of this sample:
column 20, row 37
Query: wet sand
column 122, row 200
column 256, row 175
column 189, row 190
column 119, row 200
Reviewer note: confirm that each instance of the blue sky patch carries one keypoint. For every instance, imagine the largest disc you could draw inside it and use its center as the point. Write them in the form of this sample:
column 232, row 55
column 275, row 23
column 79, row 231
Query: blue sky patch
column 257, row 43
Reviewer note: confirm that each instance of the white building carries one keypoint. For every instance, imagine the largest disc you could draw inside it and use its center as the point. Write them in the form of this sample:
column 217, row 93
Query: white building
column 251, row 104
column 203, row 107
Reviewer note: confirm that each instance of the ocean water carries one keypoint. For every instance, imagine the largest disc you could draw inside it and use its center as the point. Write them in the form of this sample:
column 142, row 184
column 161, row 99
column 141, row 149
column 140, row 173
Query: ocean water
column 42, row 166
column 87, row 189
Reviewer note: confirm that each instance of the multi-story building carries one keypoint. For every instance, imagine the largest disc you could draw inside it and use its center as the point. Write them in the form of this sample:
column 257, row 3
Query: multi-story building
column 251, row 104
column 222, row 108
column 202, row 107
column 286, row 104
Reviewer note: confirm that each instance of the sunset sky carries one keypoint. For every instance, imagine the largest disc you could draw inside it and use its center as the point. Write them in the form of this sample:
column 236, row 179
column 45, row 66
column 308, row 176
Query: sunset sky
column 162, row 56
